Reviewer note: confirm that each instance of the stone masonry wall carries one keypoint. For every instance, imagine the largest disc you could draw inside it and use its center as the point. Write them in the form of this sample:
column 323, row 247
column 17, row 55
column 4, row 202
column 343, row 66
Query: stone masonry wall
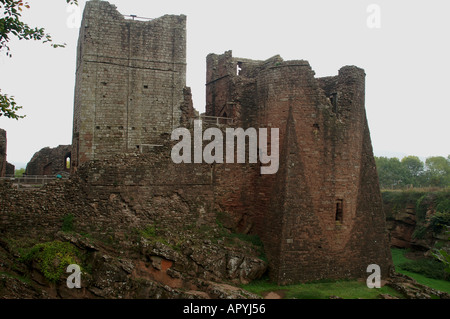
column 320, row 216
column 130, row 82
column 2, row 153
column 50, row 161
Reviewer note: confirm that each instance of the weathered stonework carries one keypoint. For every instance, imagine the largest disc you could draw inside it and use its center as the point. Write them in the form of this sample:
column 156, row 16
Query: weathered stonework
column 2, row 153
column 10, row 170
column 130, row 82
column 321, row 215
column 50, row 161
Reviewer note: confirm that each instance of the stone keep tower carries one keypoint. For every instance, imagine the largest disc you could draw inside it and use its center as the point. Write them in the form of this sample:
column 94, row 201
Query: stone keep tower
column 130, row 82
column 3, row 162
column 321, row 215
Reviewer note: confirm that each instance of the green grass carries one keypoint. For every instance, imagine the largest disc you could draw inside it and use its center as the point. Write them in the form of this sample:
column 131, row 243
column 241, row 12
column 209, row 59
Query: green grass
column 352, row 289
column 347, row 289
column 401, row 262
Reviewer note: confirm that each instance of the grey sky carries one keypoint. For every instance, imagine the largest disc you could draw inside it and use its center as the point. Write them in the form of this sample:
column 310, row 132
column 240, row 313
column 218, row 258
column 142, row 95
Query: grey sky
column 406, row 61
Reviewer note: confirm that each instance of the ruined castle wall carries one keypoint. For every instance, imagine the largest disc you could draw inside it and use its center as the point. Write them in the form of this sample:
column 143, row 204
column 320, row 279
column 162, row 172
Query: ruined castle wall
column 130, row 81
column 50, row 161
column 313, row 215
column 153, row 188
column 2, row 153
column 116, row 196
column 10, row 170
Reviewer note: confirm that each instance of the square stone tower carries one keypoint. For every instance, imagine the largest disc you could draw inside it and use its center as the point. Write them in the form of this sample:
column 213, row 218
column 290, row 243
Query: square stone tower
column 3, row 162
column 130, row 82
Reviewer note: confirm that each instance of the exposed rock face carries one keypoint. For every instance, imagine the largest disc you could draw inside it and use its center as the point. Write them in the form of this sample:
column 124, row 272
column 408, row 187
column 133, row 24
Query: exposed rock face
column 411, row 289
column 402, row 228
column 409, row 218
column 50, row 161
column 125, row 252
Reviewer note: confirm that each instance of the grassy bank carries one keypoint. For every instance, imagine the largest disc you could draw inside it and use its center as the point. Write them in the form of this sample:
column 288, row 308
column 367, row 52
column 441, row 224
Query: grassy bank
column 347, row 289
column 426, row 272
column 356, row 289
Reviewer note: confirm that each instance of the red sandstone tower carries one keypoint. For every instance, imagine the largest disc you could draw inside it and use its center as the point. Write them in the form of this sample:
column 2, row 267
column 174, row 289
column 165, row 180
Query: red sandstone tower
column 321, row 215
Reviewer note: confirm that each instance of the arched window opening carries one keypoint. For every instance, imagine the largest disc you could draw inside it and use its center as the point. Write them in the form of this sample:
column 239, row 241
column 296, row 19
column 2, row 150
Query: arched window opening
column 68, row 161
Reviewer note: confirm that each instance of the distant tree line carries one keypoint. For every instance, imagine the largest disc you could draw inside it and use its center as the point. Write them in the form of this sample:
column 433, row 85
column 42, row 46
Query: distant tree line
column 410, row 171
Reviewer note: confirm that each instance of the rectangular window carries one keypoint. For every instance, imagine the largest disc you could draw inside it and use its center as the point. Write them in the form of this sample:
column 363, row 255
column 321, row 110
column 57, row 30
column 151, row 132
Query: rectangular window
column 340, row 210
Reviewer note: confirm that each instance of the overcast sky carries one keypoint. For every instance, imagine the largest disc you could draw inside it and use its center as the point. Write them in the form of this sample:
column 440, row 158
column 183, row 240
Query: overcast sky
column 403, row 45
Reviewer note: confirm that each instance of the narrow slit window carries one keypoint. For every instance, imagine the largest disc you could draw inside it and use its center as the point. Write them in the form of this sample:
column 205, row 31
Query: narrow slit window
column 340, row 210
column 67, row 163
column 239, row 68
column 334, row 102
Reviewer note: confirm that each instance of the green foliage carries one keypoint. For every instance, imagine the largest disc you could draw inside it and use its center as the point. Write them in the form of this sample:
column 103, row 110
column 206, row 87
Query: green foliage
column 11, row 25
column 52, row 258
column 67, row 225
column 444, row 257
column 438, row 171
column 399, row 259
column 9, row 107
column 443, row 206
column 430, row 268
column 324, row 289
column 439, row 222
column 19, row 172
column 411, row 171
column 148, row 232
column 420, row 232
column 391, row 173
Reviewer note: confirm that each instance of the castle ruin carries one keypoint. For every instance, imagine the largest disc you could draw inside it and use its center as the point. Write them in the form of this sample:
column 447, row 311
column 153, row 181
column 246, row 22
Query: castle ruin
column 2, row 153
column 319, row 217
column 6, row 169
column 130, row 82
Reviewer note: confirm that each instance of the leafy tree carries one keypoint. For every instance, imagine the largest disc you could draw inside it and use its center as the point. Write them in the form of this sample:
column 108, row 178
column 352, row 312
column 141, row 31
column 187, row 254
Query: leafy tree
column 391, row 172
column 414, row 169
column 19, row 172
column 444, row 256
column 11, row 25
column 438, row 170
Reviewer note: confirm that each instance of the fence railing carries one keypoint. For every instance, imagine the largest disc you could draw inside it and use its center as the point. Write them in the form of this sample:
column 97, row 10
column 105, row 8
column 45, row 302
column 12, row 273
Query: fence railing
column 31, row 181
column 215, row 120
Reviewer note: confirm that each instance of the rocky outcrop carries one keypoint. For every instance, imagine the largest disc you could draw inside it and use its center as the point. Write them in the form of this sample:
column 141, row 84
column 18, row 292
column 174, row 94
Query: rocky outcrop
column 123, row 252
column 412, row 219
column 153, row 270
column 402, row 228
column 411, row 289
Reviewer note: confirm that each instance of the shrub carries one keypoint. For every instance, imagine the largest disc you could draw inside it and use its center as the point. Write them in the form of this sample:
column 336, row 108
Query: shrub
column 52, row 258
column 430, row 268
column 440, row 221
column 67, row 223
column 148, row 232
